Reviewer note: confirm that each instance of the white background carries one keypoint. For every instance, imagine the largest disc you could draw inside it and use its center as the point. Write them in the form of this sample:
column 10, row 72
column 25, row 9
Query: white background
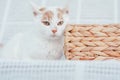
column 16, row 15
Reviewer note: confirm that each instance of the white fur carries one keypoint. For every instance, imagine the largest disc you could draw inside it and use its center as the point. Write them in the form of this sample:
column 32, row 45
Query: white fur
column 39, row 43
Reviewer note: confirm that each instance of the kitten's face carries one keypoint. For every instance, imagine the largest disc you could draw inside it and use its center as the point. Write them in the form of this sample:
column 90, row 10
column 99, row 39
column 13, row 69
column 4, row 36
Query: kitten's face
column 51, row 21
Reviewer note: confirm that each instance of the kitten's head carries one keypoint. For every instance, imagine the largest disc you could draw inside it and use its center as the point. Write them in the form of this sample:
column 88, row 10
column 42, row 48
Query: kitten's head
column 51, row 20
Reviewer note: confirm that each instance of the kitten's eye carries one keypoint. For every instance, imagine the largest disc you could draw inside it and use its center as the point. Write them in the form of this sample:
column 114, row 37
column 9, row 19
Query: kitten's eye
column 60, row 23
column 46, row 23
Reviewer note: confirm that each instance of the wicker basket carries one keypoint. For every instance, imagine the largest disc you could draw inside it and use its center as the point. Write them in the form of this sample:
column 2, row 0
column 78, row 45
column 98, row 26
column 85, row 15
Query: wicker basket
column 92, row 42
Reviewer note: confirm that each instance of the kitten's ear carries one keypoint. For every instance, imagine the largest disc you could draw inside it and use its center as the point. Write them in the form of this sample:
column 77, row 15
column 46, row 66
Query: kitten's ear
column 36, row 9
column 66, row 9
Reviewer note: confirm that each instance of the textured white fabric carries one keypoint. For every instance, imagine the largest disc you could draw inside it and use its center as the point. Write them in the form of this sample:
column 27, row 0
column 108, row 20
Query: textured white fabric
column 59, row 70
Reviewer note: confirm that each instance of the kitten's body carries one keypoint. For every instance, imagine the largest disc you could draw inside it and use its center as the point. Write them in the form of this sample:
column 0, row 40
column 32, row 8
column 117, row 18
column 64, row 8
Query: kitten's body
column 45, row 41
column 33, row 46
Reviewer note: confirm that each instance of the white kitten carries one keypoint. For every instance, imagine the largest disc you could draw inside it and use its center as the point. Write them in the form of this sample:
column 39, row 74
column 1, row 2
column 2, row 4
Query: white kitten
column 45, row 41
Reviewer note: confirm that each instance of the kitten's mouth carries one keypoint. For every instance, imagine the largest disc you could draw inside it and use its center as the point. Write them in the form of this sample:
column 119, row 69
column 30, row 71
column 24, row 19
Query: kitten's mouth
column 53, row 35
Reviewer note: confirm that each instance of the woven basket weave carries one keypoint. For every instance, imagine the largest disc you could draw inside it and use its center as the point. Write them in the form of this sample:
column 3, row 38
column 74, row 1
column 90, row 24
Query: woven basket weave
column 92, row 42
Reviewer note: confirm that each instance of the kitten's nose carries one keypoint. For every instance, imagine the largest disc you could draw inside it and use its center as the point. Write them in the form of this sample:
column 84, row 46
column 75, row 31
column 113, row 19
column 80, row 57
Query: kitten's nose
column 54, row 30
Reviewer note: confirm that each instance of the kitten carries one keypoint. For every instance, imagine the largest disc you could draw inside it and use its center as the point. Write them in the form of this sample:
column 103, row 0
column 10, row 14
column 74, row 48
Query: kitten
column 45, row 41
